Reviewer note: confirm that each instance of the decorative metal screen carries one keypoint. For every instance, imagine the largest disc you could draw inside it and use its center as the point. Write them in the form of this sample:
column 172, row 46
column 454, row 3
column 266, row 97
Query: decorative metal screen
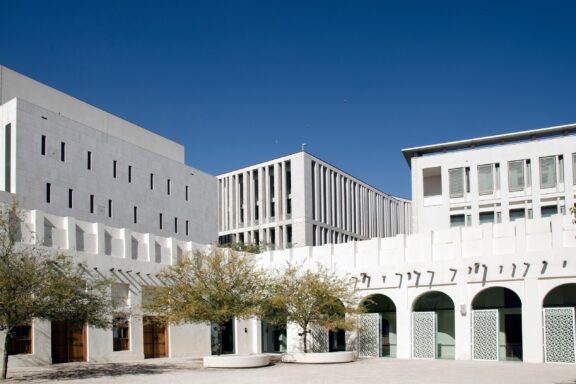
column 559, row 335
column 369, row 335
column 423, row 335
column 485, row 325
column 318, row 339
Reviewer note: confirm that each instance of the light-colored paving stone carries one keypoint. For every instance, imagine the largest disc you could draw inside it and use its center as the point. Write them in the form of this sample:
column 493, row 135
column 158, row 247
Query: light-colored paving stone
column 360, row 372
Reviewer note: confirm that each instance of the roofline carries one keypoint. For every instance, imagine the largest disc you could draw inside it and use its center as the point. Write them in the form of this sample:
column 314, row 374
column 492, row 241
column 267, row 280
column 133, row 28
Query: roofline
column 409, row 153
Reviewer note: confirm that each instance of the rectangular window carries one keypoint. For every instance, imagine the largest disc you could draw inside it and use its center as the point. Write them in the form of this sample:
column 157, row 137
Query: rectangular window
column 121, row 334
column 516, row 175
column 48, row 188
column 129, row 173
column 135, row 215
column 43, row 145
column 8, row 158
column 548, row 211
column 62, row 151
column 160, row 221
column 186, row 193
column 519, row 213
column 91, row 203
column 486, row 217
column 114, row 165
column 456, row 178
column 89, row 160
column 486, row 179
column 187, row 227
column 457, row 221
column 175, row 225
column 528, row 173
column 152, row 181
column 561, row 169
column 20, row 340
column 548, row 172
column 70, row 198
column 109, row 208
column 168, row 185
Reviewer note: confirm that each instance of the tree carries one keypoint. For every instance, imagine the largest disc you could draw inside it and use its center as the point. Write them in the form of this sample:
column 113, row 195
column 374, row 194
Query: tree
column 36, row 284
column 306, row 297
column 213, row 287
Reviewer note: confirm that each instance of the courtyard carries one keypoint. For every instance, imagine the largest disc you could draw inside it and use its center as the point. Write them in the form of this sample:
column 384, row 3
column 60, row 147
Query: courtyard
column 187, row 370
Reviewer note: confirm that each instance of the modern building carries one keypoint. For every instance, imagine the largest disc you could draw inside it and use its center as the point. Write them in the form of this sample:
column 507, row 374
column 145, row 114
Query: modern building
column 300, row 200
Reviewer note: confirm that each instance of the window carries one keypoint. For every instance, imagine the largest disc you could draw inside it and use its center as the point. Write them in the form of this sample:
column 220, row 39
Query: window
column 516, row 175
column 518, row 213
column 186, row 193
column 548, row 211
column 89, row 160
column 135, row 215
column 91, row 203
column 8, row 157
column 121, row 333
column 43, row 145
column 62, row 151
column 129, row 173
column 20, row 341
column 561, row 169
column 187, row 227
column 70, row 198
column 488, row 178
column 168, row 184
column 175, row 225
column 48, row 190
column 160, row 221
column 114, row 166
column 152, row 181
column 457, row 221
column 486, row 217
column 548, row 172
column 456, row 178
column 109, row 208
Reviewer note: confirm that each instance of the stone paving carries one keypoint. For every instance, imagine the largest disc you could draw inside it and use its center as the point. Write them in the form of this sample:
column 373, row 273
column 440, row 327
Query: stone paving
column 360, row 372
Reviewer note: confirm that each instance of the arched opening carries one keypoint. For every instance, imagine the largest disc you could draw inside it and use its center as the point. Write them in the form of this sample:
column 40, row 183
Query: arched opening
column 559, row 333
column 433, row 335
column 378, row 327
column 497, row 325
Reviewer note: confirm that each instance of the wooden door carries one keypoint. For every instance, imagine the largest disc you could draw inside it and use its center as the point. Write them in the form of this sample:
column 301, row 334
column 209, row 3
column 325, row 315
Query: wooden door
column 155, row 340
column 68, row 341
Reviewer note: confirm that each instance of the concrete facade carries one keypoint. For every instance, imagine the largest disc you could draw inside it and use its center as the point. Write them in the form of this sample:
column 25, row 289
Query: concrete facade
column 300, row 200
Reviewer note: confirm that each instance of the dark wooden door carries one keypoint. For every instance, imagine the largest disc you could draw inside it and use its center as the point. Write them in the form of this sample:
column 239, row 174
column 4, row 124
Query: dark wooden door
column 155, row 340
column 68, row 341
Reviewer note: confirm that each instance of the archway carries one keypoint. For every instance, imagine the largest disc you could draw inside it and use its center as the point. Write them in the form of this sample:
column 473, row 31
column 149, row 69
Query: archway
column 378, row 327
column 433, row 335
column 559, row 334
column 497, row 325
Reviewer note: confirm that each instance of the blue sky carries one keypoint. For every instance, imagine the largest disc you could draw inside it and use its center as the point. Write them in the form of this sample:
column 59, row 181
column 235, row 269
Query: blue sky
column 240, row 82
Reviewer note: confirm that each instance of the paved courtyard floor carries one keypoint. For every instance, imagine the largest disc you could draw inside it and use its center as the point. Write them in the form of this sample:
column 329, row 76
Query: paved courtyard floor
column 360, row 372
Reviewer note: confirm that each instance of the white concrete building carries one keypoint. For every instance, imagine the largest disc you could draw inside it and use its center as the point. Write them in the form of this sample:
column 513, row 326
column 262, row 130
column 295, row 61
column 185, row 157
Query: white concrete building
column 300, row 200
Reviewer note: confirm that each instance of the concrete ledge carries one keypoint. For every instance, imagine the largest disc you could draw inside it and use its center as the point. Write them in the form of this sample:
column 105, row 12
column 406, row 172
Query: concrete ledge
column 236, row 361
column 319, row 358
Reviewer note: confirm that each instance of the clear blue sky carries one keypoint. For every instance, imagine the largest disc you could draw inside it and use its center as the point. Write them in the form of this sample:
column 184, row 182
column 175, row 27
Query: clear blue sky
column 240, row 82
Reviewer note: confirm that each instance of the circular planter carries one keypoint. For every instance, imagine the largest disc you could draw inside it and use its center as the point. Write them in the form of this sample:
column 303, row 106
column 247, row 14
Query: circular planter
column 320, row 358
column 236, row 361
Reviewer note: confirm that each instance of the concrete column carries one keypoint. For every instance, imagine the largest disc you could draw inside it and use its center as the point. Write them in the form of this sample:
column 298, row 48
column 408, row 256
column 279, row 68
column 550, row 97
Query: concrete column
column 70, row 228
column 277, row 191
column 127, row 240
column 532, row 337
column 403, row 323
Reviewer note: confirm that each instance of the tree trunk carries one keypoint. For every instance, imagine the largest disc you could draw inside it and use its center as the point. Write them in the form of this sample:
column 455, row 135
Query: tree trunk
column 5, row 356
column 305, row 339
column 220, row 329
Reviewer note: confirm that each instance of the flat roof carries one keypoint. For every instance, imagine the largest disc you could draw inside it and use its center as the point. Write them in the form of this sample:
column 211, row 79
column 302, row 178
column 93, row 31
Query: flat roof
column 488, row 140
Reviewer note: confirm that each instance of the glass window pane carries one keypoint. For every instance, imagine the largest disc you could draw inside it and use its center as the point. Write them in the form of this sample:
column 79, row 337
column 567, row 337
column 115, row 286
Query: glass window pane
column 485, row 179
column 456, row 177
column 457, row 221
column 548, row 211
column 516, row 214
column 486, row 217
column 547, row 172
column 516, row 175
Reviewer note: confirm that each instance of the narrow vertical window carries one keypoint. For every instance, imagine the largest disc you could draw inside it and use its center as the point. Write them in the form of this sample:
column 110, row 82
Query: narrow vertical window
column 114, row 166
column 62, row 151
column 70, row 198
column 43, row 145
column 109, row 208
column 129, row 173
column 8, row 157
column 91, row 203
column 175, row 225
column 151, row 181
column 89, row 160
column 160, row 221
column 48, row 188
column 135, row 215
column 168, row 186
column 187, row 227
column 186, row 193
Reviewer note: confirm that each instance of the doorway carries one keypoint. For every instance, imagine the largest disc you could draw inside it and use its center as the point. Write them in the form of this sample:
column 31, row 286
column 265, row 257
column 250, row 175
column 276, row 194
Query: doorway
column 155, row 339
column 68, row 341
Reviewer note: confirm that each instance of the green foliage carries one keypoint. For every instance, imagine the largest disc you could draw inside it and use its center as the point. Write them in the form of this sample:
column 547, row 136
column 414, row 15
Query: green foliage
column 249, row 248
column 35, row 284
column 307, row 297
column 212, row 287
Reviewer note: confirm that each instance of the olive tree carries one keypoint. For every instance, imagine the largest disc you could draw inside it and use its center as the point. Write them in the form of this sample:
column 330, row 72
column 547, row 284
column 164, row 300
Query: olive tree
column 35, row 283
column 209, row 287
